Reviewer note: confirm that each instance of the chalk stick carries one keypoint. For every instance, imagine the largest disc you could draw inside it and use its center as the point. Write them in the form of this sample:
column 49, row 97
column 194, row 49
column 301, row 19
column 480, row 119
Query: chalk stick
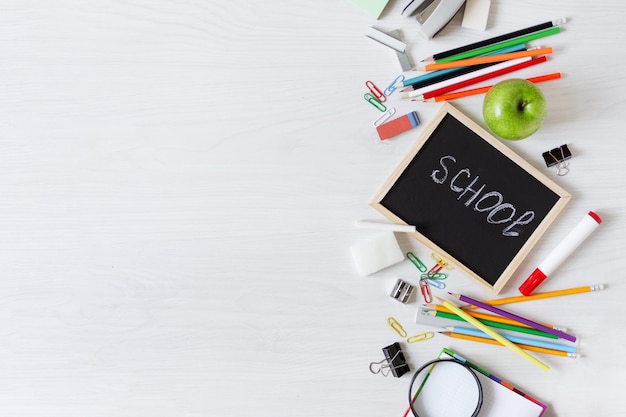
column 392, row 227
column 376, row 253
column 398, row 125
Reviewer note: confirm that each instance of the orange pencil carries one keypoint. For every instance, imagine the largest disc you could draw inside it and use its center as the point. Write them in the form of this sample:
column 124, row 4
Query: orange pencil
column 481, row 90
column 484, row 59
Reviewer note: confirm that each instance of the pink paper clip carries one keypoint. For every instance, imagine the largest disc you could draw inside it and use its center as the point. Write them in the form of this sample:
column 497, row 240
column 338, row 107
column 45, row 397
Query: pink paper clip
column 375, row 91
column 425, row 289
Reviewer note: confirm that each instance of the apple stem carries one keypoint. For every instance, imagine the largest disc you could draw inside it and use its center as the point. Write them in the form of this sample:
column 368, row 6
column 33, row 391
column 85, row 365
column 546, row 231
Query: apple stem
column 524, row 103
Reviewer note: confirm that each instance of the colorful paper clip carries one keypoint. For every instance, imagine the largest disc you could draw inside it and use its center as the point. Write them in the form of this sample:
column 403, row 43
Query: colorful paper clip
column 374, row 102
column 437, row 276
column 397, row 327
column 440, row 264
column 420, row 337
column 375, row 91
column 385, row 116
column 416, row 261
column 435, row 283
column 425, row 290
column 392, row 87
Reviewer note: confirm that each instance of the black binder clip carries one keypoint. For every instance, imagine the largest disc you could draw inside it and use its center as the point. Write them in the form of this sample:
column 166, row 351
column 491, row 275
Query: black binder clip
column 394, row 362
column 558, row 156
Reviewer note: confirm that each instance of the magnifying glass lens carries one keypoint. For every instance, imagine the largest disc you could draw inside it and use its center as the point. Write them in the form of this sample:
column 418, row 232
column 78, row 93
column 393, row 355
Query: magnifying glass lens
column 445, row 388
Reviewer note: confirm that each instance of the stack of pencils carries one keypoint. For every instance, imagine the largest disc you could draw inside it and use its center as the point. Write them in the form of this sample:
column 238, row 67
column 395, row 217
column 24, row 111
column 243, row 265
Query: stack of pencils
column 523, row 333
column 448, row 72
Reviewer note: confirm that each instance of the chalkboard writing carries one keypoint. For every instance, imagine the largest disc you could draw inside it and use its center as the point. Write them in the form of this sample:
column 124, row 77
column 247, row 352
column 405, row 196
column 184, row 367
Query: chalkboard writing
column 471, row 198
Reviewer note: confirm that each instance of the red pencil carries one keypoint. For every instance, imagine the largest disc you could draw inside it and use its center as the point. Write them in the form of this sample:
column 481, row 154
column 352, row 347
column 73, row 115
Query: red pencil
column 480, row 78
column 480, row 90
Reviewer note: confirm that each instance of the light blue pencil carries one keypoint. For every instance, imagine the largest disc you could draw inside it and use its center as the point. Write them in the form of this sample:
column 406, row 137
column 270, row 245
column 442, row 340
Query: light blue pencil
column 514, row 339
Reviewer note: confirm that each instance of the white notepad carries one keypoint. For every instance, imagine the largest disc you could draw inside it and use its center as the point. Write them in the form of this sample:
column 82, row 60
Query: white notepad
column 499, row 400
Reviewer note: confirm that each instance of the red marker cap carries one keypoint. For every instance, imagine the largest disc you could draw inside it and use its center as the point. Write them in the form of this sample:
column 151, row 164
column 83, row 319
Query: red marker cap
column 532, row 282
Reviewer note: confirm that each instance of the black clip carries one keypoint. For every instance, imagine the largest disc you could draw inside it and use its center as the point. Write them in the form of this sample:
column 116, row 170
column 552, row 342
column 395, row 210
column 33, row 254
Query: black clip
column 394, row 361
column 558, row 156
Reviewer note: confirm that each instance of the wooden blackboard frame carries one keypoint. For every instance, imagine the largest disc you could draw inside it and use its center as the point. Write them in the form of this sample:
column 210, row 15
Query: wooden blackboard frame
column 563, row 197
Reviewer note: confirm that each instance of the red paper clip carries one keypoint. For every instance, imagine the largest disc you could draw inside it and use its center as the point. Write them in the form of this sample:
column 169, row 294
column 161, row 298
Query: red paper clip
column 375, row 91
column 425, row 289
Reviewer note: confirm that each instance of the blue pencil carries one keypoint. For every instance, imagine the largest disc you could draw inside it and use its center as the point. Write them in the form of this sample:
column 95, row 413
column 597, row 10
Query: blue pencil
column 441, row 73
column 514, row 339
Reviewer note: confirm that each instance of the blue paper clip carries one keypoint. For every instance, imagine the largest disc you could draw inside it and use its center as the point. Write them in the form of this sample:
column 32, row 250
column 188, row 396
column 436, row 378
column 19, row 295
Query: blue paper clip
column 374, row 102
column 416, row 261
column 440, row 285
column 425, row 290
column 392, row 87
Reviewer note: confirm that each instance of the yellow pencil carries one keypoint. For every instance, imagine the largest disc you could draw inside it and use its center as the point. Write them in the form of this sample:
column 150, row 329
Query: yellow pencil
column 484, row 59
column 471, row 320
column 539, row 295
column 523, row 346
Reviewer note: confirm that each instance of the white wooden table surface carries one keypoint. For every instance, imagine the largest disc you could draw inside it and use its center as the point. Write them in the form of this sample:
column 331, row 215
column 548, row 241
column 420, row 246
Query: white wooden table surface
column 179, row 184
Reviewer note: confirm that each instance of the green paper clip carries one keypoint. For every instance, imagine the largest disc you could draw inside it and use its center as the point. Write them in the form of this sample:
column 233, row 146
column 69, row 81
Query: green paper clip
column 374, row 102
column 416, row 261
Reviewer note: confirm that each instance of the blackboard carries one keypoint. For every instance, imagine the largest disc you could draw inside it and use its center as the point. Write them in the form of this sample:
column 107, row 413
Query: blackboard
column 472, row 199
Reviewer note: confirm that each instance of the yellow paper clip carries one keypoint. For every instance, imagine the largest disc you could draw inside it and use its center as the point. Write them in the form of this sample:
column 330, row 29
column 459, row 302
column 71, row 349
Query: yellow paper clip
column 374, row 102
column 397, row 327
column 420, row 337
column 439, row 264
column 416, row 261
column 440, row 261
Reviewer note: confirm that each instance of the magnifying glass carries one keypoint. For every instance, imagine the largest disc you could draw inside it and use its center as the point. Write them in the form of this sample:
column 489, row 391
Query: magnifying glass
column 445, row 388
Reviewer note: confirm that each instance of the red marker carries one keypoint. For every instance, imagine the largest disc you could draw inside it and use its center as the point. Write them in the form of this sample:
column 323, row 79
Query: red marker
column 582, row 230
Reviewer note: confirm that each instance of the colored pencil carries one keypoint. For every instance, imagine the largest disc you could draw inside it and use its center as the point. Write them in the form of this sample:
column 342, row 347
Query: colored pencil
column 501, row 71
column 500, row 45
column 539, row 295
column 484, row 59
column 435, row 76
column 512, row 316
column 515, row 339
column 497, row 39
column 466, row 77
column 522, row 346
column 492, row 317
column 471, row 320
column 497, row 325
column 482, row 90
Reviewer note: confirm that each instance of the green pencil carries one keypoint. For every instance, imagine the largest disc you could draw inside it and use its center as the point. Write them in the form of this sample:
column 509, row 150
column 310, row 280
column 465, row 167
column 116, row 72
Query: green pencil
column 500, row 45
column 504, row 326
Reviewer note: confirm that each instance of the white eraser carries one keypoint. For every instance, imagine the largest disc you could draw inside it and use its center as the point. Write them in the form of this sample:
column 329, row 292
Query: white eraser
column 476, row 14
column 376, row 253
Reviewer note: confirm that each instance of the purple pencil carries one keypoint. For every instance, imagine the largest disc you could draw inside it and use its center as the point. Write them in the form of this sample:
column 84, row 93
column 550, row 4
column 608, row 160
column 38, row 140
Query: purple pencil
column 515, row 317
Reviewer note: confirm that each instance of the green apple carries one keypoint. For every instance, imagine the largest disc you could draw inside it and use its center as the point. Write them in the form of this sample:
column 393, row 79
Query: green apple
column 514, row 109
